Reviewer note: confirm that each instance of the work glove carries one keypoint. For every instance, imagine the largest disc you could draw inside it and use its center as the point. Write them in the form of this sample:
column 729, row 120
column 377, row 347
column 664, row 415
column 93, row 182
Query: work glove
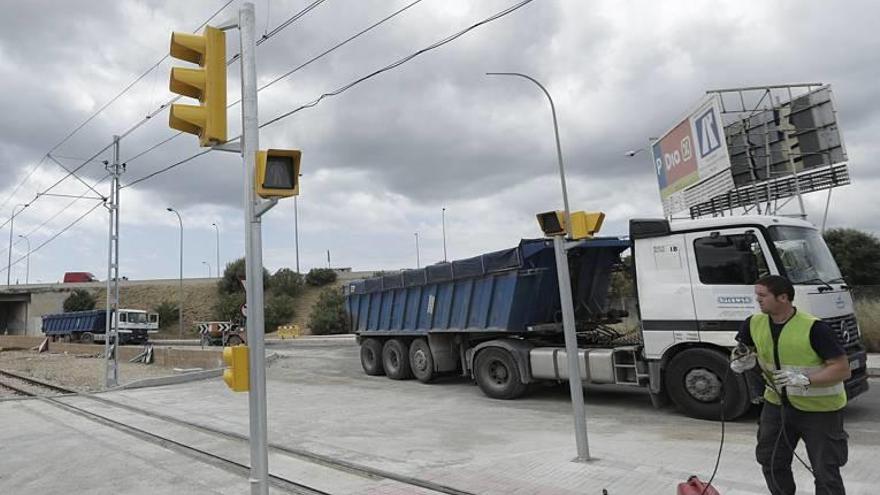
column 790, row 378
column 742, row 358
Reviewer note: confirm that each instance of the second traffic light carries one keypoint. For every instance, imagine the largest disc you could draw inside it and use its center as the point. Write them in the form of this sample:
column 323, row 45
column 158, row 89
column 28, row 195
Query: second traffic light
column 277, row 173
column 207, row 84
column 236, row 375
column 584, row 224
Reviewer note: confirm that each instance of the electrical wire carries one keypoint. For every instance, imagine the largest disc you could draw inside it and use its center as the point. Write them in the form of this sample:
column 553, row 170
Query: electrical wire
column 98, row 112
column 290, row 20
column 399, row 62
column 295, row 69
column 47, row 241
column 352, row 84
column 53, row 217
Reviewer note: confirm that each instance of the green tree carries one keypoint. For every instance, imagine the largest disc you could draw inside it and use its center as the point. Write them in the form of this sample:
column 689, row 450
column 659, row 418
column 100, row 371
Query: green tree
column 286, row 281
column 320, row 276
column 328, row 315
column 234, row 272
column 857, row 254
column 278, row 311
column 79, row 300
column 167, row 312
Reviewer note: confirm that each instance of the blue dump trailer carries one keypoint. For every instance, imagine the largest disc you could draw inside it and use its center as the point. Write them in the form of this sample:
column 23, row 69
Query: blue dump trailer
column 89, row 326
column 441, row 318
column 496, row 318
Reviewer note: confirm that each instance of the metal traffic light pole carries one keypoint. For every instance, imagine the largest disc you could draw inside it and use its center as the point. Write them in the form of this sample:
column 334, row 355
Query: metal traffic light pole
column 253, row 210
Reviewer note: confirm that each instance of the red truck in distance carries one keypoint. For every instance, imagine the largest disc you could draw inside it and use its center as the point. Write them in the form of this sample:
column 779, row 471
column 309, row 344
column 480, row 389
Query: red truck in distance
column 74, row 277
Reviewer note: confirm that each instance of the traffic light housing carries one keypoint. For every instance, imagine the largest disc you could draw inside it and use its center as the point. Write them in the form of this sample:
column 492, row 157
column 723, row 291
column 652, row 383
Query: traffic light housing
column 207, row 84
column 236, row 375
column 277, row 173
column 584, row 224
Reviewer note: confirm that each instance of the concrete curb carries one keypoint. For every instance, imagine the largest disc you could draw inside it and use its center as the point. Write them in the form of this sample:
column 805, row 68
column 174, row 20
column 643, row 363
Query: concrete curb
column 173, row 380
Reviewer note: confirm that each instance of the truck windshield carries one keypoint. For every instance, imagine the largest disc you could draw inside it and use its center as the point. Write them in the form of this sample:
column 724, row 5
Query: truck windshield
column 137, row 318
column 804, row 255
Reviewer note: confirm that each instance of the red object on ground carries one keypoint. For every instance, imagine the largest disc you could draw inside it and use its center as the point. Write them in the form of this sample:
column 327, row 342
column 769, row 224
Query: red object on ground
column 694, row 486
column 72, row 277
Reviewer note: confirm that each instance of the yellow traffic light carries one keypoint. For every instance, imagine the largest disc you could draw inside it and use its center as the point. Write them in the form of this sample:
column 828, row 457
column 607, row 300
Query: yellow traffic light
column 277, row 173
column 207, row 84
column 583, row 224
column 236, row 375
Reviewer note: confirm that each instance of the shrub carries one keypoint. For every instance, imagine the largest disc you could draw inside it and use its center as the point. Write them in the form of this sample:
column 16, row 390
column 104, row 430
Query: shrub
column 278, row 311
column 234, row 272
column 328, row 315
column 286, row 281
column 167, row 312
column 227, row 307
column 320, row 276
column 79, row 300
column 868, row 313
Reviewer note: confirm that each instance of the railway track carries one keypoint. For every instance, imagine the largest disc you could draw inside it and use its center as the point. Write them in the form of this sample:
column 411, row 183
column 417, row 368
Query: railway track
column 30, row 387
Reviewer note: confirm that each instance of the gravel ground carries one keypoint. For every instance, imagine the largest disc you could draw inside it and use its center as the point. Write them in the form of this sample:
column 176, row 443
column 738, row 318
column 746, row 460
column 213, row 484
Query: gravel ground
column 84, row 373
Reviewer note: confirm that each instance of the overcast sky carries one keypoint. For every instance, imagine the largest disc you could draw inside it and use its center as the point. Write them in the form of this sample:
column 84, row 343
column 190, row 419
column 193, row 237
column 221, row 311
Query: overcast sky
column 382, row 160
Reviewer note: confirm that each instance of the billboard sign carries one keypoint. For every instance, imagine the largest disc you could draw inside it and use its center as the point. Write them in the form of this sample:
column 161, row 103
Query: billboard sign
column 690, row 154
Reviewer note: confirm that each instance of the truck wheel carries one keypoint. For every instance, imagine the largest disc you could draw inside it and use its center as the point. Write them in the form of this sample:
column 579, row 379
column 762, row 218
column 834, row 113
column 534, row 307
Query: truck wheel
column 371, row 357
column 87, row 338
column 395, row 360
column 421, row 361
column 696, row 379
column 233, row 340
column 497, row 374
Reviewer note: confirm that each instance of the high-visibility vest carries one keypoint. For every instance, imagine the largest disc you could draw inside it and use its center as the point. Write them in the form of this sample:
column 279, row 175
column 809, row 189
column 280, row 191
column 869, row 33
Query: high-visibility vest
column 795, row 353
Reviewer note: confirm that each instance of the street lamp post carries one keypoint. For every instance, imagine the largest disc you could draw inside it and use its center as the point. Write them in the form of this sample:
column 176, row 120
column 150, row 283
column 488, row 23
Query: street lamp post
column 217, row 229
column 27, row 272
column 564, row 281
column 418, row 265
column 443, row 213
column 209, row 268
column 296, row 230
column 180, row 290
column 11, row 228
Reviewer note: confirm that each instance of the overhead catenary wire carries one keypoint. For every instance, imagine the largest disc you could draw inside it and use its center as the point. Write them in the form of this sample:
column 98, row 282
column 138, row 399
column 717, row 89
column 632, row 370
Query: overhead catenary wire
column 50, row 239
column 98, row 112
column 54, row 216
column 164, row 106
column 348, row 86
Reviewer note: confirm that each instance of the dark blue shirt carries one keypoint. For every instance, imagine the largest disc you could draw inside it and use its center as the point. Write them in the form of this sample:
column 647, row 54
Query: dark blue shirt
column 822, row 338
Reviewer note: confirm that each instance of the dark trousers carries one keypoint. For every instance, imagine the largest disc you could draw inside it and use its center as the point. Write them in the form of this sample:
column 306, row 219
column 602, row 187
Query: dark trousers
column 823, row 436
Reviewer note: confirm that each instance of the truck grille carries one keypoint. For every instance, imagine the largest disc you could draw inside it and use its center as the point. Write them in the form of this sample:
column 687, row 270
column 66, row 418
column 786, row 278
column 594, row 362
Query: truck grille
column 846, row 329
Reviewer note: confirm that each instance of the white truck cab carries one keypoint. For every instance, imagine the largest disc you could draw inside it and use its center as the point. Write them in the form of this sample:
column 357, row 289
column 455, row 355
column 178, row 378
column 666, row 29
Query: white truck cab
column 695, row 285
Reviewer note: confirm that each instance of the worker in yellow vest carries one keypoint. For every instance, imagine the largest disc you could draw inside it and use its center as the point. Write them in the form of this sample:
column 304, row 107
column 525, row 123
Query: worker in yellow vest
column 804, row 366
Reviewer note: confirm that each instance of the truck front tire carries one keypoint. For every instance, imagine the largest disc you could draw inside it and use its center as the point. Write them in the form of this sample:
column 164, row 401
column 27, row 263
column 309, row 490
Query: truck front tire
column 371, row 357
column 697, row 378
column 395, row 360
column 497, row 374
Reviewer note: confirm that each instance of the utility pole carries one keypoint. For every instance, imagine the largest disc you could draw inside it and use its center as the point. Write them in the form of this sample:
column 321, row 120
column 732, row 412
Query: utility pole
column 443, row 213
column 417, row 251
column 217, row 229
column 111, row 325
column 296, row 231
column 564, row 280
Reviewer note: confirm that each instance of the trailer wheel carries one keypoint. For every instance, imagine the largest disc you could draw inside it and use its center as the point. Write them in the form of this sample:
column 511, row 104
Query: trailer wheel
column 497, row 374
column 395, row 360
column 421, row 361
column 86, row 338
column 371, row 357
column 696, row 380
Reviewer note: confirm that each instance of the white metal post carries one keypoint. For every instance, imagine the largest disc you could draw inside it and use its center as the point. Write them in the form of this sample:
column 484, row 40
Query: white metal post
column 296, row 231
column 443, row 217
column 259, row 478
column 217, row 229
